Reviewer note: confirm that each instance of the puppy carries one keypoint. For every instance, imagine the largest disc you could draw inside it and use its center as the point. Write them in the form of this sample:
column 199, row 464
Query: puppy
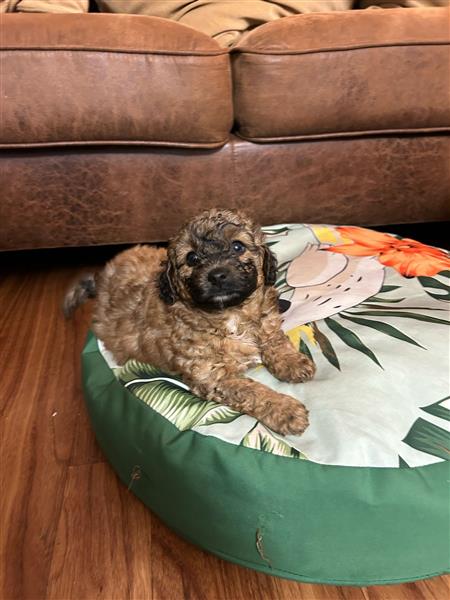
column 206, row 309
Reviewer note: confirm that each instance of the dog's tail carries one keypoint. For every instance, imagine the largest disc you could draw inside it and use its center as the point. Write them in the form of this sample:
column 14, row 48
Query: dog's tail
column 78, row 293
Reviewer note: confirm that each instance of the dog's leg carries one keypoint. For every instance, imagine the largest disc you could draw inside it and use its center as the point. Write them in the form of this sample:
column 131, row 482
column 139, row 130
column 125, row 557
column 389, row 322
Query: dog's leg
column 280, row 357
column 281, row 413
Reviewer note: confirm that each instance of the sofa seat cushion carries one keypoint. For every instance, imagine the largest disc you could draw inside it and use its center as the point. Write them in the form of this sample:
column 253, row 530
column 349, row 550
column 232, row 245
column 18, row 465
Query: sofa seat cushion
column 111, row 79
column 350, row 73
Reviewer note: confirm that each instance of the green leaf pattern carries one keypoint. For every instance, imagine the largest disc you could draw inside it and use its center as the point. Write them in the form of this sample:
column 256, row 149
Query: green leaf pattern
column 261, row 438
column 171, row 398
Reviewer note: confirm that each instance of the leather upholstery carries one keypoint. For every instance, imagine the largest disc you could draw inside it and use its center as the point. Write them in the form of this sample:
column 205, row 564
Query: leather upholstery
column 371, row 181
column 97, row 79
column 87, row 99
column 86, row 196
column 344, row 74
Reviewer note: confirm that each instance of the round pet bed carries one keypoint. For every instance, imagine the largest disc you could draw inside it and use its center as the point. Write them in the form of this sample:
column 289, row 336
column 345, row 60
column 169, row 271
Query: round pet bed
column 362, row 497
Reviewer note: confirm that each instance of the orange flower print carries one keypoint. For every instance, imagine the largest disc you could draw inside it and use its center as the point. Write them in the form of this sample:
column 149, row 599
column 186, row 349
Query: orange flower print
column 408, row 257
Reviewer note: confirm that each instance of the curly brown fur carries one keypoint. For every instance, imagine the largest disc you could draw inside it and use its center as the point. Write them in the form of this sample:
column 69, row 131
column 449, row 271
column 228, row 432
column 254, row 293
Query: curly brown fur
column 80, row 291
column 205, row 309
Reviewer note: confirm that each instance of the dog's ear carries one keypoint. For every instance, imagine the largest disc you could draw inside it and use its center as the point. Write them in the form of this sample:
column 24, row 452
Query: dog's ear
column 167, row 291
column 269, row 266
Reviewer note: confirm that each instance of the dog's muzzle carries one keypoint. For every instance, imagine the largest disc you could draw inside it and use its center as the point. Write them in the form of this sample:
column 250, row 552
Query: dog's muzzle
column 222, row 286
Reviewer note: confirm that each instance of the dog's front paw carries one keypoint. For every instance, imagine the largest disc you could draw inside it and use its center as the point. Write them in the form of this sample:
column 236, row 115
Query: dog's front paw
column 286, row 416
column 294, row 368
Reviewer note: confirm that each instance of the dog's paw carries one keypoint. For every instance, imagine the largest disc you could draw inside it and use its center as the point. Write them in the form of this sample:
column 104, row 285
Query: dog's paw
column 294, row 368
column 287, row 416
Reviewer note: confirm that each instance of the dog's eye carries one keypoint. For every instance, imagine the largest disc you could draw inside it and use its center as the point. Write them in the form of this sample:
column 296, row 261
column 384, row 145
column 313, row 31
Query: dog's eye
column 238, row 247
column 192, row 259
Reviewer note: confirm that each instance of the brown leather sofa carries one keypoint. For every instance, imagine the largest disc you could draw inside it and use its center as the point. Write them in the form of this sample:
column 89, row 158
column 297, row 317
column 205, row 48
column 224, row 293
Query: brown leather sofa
column 116, row 128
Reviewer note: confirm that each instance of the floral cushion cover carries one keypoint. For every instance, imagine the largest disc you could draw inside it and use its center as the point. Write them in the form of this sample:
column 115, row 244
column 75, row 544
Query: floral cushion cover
column 371, row 309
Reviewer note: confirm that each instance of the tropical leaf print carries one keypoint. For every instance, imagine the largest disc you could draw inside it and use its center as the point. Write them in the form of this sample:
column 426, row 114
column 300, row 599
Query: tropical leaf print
column 276, row 230
column 217, row 414
column 351, row 339
column 437, row 410
column 303, row 348
column 441, row 291
column 171, row 398
column 404, row 315
column 181, row 408
column 260, row 438
column 429, row 437
column 372, row 314
column 383, row 328
column 375, row 300
column 377, row 307
column 281, row 284
column 389, row 288
column 325, row 346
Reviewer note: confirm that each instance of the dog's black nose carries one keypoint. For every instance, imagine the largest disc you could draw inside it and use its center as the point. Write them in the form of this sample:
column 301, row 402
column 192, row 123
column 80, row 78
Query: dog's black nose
column 218, row 276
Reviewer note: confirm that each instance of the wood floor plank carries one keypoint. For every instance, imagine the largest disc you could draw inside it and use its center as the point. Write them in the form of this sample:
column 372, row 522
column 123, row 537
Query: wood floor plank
column 69, row 530
column 38, row 354
column 111, row 560
column 437, row 588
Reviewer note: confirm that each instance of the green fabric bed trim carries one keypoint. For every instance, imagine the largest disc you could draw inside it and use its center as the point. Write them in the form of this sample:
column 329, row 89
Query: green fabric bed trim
column 295, row 519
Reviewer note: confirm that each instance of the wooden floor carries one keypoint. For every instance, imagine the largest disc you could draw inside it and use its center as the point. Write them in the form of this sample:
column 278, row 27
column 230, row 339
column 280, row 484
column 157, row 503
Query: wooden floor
column 69, row 528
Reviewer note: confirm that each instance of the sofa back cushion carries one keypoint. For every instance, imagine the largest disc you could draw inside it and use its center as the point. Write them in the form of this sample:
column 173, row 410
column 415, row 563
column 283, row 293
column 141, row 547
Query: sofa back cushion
column 111, row 79
column 344, row 74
